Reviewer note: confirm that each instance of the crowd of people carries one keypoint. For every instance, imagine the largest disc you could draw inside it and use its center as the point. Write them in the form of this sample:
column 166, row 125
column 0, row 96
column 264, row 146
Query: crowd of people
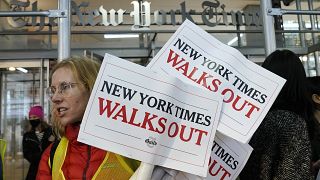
column 285, row 146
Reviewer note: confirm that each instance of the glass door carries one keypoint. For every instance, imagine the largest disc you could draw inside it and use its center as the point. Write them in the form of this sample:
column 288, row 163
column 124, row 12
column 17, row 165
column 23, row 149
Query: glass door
column 21, row 88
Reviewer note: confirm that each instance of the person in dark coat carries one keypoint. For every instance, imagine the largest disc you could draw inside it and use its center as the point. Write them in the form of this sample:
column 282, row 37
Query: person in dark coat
column 36, row 140
column 314, row 88
column 282, row 143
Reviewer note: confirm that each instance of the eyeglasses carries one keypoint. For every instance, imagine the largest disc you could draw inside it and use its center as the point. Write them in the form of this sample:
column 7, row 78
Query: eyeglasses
column 64, row 89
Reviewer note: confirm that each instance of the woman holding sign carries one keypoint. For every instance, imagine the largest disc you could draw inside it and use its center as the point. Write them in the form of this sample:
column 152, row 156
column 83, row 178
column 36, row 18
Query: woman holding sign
column 281, row 144
column 72, row 82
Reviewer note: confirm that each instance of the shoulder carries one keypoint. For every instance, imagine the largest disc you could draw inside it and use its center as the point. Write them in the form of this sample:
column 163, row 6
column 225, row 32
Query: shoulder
column 48, row 131
column 290, row 127
column 28, row 135
column 283, row 114
column 280, row 123
column 285, row 118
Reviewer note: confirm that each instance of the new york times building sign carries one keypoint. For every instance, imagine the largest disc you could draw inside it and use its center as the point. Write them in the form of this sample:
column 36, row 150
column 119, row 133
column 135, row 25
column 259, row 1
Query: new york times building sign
column 213, row 13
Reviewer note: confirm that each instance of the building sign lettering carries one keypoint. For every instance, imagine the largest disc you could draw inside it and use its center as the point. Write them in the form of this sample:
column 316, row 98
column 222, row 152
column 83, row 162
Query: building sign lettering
column 213, row 14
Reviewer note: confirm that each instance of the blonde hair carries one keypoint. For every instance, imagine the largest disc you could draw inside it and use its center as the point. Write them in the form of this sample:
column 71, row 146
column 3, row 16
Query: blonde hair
column 85, row 72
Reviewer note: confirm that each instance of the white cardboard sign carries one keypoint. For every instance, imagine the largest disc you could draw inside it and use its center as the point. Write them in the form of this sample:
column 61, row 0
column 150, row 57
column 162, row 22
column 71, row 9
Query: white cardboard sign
column 227, row 159
column 248, row 90
column 154, row 118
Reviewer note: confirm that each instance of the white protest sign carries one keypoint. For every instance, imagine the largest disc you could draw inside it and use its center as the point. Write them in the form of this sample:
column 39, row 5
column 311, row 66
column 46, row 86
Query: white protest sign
column 157, row 119
column 227, row 159
column 195, row 56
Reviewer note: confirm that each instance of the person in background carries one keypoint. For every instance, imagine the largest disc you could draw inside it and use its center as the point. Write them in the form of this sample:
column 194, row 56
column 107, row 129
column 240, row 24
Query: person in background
column 72, row 81
column 36, row 140
column 281, row 145
column 1, row 168
column 314, row 88
column 3, row 145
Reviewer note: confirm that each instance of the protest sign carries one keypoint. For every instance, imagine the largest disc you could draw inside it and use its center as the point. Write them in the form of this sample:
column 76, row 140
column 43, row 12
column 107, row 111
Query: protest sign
column 227, row 159
column 154, row 118
column 248, row 90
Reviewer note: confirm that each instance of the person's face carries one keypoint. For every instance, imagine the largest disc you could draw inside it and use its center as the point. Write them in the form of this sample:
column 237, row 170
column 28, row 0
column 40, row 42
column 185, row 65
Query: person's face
column 316, row 99
column 68, row 106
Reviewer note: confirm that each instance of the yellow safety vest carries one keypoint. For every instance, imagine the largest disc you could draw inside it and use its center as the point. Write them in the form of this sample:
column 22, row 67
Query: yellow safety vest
column 113, row 166
column 3, row 145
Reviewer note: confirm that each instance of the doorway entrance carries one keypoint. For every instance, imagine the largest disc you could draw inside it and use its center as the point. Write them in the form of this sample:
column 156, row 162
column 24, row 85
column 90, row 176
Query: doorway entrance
column 23, row 84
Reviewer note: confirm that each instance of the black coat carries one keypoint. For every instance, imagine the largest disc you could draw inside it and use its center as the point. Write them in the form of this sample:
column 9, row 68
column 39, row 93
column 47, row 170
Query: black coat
column 33, row 149
column 281, row 149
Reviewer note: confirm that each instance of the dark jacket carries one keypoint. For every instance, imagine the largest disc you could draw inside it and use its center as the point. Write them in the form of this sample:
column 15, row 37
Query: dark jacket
column 33, row 149
column 281, row 149
column 316, row 145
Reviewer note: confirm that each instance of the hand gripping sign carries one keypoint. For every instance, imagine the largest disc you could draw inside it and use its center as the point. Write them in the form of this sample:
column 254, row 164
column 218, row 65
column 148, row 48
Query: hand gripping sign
column 248, row 90
column 154, row 118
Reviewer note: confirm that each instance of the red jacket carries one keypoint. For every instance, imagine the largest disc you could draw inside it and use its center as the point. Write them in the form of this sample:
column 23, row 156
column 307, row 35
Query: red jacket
column 76, row 159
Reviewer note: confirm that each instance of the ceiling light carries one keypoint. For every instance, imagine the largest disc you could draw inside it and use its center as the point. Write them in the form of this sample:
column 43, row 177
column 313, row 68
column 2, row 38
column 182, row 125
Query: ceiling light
column 304, row 58
column 12, row 68
column 22, row 70
column 114, row 36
